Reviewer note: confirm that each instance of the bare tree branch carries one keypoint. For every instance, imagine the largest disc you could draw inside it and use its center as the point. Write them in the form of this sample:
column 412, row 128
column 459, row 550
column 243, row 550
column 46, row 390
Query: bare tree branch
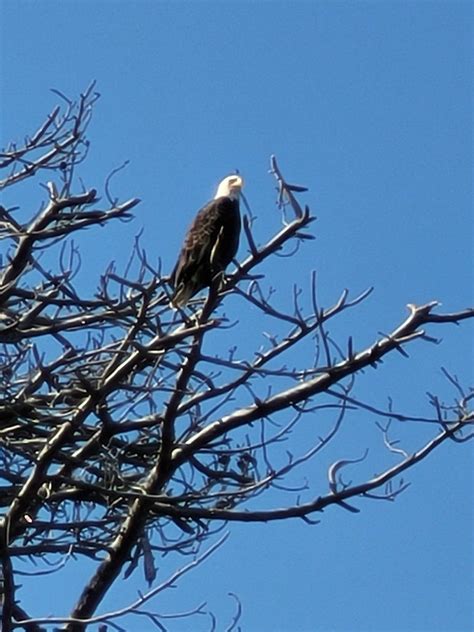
column 130, row 433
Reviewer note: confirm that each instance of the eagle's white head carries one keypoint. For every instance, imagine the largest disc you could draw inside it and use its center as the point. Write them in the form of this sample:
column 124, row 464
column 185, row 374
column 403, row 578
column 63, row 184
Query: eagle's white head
column 230, row 187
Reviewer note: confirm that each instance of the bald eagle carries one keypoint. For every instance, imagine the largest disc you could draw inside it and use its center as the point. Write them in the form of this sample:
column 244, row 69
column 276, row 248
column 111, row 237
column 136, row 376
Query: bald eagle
column 210, row 244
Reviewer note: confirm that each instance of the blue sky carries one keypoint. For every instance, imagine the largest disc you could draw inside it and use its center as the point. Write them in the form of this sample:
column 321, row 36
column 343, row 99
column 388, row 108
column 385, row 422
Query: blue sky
column 369, row 104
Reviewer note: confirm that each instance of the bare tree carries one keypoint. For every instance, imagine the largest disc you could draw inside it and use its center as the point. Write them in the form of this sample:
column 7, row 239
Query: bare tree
column 128, row 431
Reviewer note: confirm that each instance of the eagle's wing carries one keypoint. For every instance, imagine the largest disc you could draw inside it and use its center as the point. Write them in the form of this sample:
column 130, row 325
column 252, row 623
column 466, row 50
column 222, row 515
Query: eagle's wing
column 209, row 246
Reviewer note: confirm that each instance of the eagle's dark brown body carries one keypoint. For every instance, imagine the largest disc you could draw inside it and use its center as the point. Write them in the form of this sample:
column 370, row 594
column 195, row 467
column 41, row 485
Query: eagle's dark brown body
column 210, row 245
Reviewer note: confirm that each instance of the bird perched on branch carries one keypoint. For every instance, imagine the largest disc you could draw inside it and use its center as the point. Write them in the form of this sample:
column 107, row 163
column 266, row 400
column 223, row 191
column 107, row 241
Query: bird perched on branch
column 210, row 244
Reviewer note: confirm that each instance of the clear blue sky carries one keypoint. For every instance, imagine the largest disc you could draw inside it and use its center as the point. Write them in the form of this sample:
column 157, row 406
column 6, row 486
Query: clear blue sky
column 369, row 104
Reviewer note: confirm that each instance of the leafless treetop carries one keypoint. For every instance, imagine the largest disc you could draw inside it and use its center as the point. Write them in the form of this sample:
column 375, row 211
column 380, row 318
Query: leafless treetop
column 127, row 429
